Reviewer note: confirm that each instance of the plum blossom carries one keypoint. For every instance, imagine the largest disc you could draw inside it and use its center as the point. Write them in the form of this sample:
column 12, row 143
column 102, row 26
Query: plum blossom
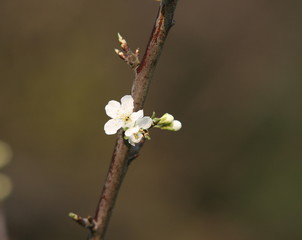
column 134, row 124
column 136, row 133
column 122, row 115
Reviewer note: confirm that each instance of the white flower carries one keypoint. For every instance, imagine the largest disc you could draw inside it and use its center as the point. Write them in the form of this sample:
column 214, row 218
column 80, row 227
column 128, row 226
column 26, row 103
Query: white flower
column 135, row 124
column 136, row 133
column 122, row 115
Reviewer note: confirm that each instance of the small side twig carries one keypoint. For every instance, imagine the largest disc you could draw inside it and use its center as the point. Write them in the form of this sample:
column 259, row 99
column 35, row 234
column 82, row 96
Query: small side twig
column 84, row 222
column 123, row 153
column 131, row 58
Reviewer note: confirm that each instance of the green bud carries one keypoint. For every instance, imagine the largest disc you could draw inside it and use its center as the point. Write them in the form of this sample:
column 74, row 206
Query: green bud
column 73, row 216
column 166, row 119
column 174, row 126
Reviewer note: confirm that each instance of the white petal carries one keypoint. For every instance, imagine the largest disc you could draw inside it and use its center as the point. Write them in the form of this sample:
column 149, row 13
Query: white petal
column 129, row 132
column 112, row 126
column 136, row 138
column 131, row 142
column 137, row 115
column 127, row 104
column 144, row 122
column 112, row 108
column 128, row 124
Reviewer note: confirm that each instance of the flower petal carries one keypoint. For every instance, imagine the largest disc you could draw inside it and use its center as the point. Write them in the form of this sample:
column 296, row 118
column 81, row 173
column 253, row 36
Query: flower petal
column 136, row 138
column 137, row 115
column 144, row 122
column 131, row 142
column 112, row 108
column 129, row 132
column 112, row 126
column 127, row 104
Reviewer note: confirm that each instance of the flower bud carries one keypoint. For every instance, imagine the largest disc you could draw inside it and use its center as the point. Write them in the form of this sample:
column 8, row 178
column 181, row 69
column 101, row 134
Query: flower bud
column 166, row 119
column 174, row 126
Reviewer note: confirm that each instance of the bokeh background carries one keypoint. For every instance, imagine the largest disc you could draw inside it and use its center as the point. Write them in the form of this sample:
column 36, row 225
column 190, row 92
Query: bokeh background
column 230, row 71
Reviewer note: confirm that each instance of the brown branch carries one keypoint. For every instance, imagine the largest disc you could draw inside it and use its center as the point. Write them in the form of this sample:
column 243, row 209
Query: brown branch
column 123, row 153
column 144, row 72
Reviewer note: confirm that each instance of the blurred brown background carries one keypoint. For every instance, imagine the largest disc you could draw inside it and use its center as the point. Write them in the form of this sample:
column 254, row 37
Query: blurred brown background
column 230, row 71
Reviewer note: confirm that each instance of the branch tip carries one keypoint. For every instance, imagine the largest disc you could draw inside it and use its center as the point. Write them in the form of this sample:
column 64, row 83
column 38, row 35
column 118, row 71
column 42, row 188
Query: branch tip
column 88, row 222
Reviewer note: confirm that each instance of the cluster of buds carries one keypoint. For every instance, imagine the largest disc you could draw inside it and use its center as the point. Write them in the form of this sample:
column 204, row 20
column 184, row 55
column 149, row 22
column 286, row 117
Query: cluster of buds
column 166, row 122
column 131, row 58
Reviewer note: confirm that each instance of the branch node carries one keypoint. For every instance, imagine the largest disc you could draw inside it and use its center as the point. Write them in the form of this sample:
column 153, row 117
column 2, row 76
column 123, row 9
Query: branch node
column 131, row 58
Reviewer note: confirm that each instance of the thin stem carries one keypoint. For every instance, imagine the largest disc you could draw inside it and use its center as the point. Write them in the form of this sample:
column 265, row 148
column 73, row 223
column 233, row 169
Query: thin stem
column 123, row 154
